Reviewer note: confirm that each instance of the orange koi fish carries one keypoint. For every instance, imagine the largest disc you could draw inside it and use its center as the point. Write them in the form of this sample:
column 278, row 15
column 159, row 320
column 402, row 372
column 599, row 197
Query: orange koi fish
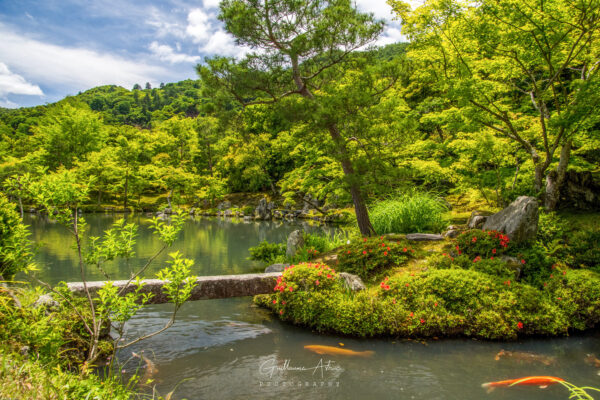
column 336, row 351
column 541, row 381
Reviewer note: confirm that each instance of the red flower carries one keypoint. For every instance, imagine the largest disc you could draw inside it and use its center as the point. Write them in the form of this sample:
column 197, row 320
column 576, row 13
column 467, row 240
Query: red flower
column 564, row 272
column 520, row 325
column 394, row 301
column 364, row 252
column 274, row 301
column 280, row 312
column 422, row 321
column 545, row 284
column 457, row 248
column 404, row 249
column 551, row 276
column 491, row 258
column 385, row 253
column 407, row 285
column 329, row 276
column 283, row 302
column 348, row 251
column 474, row 239
column 493, row 251
column 365, row 239
column 522, row 261
column 291, row 289
column 435, row 304
column 412, row 314
column 317, row 282
column 559, row 298
column 388, row 249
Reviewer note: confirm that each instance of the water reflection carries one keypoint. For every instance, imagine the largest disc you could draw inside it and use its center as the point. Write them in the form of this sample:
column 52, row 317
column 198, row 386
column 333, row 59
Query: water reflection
column 217, row 245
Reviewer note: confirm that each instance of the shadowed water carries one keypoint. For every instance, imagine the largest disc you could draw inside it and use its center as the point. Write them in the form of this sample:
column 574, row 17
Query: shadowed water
column 229, row 349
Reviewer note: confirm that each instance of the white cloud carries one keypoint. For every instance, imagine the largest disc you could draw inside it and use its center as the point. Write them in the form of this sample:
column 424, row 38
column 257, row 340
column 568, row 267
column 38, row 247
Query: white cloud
column 223, row 44
column 166, row 53
column 5, row 103
column 380, row 8
column 72, row 68
column 391, row 34
column 11, row 83
column 211, row 3
column 200, row 27
column 164, row 25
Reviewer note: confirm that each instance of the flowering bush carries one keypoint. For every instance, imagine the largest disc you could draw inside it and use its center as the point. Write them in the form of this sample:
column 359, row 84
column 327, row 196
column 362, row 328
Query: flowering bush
column 439, row 302
column 484, row 244
column 366, row 257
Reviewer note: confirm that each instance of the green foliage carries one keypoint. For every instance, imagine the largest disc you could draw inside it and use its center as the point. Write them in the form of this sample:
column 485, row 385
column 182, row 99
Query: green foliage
column 267, row 252
column 368, row 257
column 410, row 213
column 437, row 302
column 584, row 248
column 15, row 251
column 483, row 244
column 178, row 278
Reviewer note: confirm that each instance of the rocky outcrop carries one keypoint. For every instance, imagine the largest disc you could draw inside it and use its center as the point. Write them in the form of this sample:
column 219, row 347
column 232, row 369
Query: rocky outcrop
column 224, row 205
column 352, row 282
column 580, row 191
column 207, row 287
column 294, row 242
column 519, row 221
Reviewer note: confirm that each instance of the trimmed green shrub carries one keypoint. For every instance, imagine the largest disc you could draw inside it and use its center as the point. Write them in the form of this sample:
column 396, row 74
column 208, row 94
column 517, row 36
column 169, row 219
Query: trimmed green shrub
column 437, row 302
column 367, row 257
column 414, row 212
column 584, row 249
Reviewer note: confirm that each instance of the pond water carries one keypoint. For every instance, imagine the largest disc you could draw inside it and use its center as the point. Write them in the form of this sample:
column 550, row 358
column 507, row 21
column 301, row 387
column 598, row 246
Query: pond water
column 229, row 349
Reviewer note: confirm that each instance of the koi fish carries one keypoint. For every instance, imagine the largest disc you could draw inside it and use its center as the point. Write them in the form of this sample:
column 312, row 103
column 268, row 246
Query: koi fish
column 591, row 359
column 149, row 366
column 336, row 351
column 526, row 357
column 541, row 381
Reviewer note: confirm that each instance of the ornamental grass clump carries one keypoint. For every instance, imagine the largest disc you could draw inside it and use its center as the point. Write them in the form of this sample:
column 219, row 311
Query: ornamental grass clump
column 366, row 257
column 410, row 213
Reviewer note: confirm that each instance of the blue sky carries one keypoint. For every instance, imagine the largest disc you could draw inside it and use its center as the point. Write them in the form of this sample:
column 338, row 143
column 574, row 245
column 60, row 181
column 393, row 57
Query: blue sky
column 53, row 48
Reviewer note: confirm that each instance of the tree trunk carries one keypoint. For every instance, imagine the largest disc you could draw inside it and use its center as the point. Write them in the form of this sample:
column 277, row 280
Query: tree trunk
column 169, row 198
column 210, row 167
column 21, row 206
column 362, row 215
column 126, row 188
column 555, row 179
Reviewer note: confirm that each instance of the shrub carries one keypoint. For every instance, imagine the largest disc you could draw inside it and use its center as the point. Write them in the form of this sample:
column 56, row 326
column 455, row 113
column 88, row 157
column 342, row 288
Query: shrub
column 415, row 212
column 491, row 266
column 437, row 302
column 268, row 252
column 15, row 254
column 483, row 244
column 585, row 249
column 367, row 257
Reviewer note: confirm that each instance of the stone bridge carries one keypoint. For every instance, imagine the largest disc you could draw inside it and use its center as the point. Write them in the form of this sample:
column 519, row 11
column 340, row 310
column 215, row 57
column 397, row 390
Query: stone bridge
column 207, row 287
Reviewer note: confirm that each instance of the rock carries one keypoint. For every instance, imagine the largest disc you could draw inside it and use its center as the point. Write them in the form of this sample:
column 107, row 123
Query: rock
column 513, row 263
column 580, row 191
column 192, row 211
column 276, row 268
column 248, row 218
column 270, row 206
column 24, row 350
column 452, row 233
column 228, row 213
column 477, row 219
column 262, row 211
column 310, row 203
column 167, row 211
column 519, row 221
column 352, row 282
column 32, row 210
column 277, row 214
column 294, row 242
column 47, row 301
column 206, row 287
column 424, row 237
column 224, row 205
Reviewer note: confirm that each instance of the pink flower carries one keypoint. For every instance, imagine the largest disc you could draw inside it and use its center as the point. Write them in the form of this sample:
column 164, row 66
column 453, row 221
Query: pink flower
column 317, row 282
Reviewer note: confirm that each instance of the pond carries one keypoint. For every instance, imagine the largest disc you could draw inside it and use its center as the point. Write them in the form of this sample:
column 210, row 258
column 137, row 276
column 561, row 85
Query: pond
column 229, row 349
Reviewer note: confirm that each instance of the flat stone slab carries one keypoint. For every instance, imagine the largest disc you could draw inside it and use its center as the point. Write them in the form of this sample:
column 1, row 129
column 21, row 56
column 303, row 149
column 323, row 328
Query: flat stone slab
column 207, row 287
column 424, row 237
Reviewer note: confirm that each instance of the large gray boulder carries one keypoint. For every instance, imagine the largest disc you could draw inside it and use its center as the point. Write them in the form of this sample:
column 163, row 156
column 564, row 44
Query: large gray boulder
column 519, row 221
column 477, row 219
column 294, row 242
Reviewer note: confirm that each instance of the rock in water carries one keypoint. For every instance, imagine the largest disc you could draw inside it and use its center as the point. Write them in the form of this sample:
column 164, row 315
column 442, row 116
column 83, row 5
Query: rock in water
column 262, row 211
column 294, row 242
column 519, row 221
column 352, row 282
column 424, row 237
